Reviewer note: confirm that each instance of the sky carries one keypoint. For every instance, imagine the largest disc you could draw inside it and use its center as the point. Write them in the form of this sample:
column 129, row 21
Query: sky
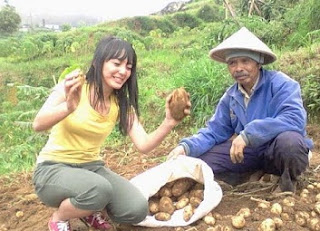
column 104, row 9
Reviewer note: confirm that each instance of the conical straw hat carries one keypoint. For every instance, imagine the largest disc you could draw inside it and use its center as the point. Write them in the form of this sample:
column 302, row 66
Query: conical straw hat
column 243, row 39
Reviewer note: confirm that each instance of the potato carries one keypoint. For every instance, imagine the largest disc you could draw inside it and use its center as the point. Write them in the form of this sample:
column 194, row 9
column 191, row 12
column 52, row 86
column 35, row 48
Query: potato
column 238, row 221
column 300, row 220
column 209, row 220
column 195, row 202
column 185, row 195
column 165, row 191
column 182, row 203
column 276, row 209
column 314, row 224
column 178, row 103
column 19, row 214
column 166, row 205
column 162, row 216
column 288, row 201
column 153, row 206
column 285, row 216
column 267, row 225
column 197, row 193
column 245, row 212
column 278, row 222
column 317, row 207
column 188, row 212
column 198, row 186
column 181, row 186
column 217, row 216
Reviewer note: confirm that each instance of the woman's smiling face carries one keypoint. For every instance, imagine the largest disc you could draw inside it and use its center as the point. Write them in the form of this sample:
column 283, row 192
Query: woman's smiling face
column 116, row 72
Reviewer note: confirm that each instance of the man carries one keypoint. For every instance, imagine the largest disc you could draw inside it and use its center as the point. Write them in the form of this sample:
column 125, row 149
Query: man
column 263, row 109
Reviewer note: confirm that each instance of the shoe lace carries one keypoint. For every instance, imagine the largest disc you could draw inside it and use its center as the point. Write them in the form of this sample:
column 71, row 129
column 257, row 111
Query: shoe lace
column 99, row 218
column 63, row 226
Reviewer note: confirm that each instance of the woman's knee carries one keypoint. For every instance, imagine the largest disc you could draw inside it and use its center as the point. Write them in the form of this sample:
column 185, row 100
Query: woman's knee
column 139, row 212
column 94, row 198
column 134, row 213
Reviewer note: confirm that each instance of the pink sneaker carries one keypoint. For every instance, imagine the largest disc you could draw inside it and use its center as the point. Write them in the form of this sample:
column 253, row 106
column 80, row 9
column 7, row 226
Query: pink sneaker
column 59, row 225
column 97, row 221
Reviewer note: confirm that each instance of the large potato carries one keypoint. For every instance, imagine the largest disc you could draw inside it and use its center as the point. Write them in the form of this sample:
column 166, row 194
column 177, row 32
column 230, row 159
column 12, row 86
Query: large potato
column 182, row 203
column 153, row 206
column 166, row 205
column 181, row 186
column 178, row 103
column 188, row 212
column 198, row 186
column 199, row 193
column 165, row 191
column 162, row 216
column 195, row 202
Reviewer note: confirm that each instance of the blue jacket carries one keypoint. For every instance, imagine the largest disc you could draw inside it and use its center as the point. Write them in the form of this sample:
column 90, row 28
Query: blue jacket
column 275, row 106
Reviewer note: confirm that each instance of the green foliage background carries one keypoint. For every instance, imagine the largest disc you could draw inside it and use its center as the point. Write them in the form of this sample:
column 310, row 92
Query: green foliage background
column 172, row 52
column 9, row 20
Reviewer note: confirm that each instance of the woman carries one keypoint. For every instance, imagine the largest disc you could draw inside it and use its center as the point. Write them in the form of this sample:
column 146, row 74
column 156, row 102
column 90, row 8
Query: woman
column 70, row 174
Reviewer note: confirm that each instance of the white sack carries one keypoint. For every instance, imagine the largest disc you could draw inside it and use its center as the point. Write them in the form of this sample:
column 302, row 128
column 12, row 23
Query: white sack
column 150, row 181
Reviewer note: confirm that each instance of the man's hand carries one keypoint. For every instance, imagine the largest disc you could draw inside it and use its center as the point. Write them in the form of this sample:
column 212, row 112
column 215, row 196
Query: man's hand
column 179, row 150
column 236, row 150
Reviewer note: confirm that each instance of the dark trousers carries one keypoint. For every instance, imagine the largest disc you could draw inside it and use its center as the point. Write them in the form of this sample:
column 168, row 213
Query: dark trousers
column 286, row 156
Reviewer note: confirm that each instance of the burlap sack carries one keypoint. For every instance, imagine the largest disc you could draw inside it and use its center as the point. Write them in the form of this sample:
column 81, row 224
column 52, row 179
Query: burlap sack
column 150, row 181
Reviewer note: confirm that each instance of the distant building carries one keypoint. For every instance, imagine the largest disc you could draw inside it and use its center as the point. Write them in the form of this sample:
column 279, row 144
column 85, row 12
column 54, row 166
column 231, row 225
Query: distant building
column 25, row 28
column 53, row 27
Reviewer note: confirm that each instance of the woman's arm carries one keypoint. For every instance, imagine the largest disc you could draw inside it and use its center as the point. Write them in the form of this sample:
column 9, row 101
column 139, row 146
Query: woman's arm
column 63, row 100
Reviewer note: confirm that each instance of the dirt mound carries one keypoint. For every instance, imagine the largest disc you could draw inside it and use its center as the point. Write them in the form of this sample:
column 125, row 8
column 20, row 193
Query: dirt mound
column 20, row 209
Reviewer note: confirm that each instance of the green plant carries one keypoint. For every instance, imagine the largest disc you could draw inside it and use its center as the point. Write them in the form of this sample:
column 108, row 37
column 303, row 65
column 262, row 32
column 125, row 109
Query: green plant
column 210, row 14
column 311, row 94
column 9, row 20
column 206, row 81
column 186, row 20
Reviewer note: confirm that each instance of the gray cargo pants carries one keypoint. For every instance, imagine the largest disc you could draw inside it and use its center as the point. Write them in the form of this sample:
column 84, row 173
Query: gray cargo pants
column 90, row 186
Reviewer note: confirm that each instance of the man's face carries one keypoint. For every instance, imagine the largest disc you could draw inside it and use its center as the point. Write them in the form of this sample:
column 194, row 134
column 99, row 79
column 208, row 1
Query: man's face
column 244, row 70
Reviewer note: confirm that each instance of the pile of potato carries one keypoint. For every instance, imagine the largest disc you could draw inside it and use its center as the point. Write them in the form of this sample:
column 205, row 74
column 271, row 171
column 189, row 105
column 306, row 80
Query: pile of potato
column 303, row 209
column 183, row 193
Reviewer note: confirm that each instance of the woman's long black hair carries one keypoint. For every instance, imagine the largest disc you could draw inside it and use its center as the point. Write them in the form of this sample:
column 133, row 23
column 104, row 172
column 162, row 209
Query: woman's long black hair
column 115, row 48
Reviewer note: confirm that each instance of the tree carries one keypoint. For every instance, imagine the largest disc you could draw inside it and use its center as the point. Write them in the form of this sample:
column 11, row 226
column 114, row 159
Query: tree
column 9, row 20
column 65, row 27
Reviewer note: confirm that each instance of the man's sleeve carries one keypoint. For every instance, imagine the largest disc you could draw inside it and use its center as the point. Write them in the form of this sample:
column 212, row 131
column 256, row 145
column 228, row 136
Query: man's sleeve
column 288, row 114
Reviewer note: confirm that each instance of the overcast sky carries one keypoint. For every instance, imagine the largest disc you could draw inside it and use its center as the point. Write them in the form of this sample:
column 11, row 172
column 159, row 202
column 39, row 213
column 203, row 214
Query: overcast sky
column 106, row 9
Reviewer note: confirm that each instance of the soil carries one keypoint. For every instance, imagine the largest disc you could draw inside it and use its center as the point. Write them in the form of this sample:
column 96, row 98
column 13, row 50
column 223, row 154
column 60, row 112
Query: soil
column 21, row 210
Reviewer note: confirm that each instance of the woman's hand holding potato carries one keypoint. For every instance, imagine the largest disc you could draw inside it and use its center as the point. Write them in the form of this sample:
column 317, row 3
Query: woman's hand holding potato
column 72, row 86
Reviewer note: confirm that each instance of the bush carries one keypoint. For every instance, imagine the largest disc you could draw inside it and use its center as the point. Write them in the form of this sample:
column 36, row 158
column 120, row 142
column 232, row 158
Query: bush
column 141, row 24
column 165, row 25
column 185, row 19
column 209, row 14
column 5, row 50
column 29, row 50
column 311, row 94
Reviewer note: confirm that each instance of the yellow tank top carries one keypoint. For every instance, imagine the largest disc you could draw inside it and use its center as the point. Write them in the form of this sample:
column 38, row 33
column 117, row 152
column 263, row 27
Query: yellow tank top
column 79, row 137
